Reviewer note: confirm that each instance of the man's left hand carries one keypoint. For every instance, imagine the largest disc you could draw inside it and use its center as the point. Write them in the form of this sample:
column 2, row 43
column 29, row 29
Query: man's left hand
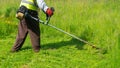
column 50, row 11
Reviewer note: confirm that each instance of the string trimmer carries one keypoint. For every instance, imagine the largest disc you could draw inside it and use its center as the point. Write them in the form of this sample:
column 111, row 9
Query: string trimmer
column 81, row 40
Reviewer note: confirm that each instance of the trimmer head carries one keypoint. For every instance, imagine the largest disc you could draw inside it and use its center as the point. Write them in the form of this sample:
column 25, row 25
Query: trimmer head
column 101, row 50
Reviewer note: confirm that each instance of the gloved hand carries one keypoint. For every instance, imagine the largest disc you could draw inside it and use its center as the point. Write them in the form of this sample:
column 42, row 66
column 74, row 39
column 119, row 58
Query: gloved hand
column 49, row 12
column 20, row 15
column 21, row 12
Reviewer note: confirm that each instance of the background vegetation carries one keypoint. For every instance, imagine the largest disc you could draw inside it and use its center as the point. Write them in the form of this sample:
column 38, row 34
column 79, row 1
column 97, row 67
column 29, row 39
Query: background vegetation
column 96, row 21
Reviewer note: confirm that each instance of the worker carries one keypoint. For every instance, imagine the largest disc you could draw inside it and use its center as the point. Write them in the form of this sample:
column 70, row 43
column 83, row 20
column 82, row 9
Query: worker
column 28, row 25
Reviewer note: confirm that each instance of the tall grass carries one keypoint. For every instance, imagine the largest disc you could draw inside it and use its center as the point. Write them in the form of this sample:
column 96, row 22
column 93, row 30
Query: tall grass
column 7, row 17
column 95, row 21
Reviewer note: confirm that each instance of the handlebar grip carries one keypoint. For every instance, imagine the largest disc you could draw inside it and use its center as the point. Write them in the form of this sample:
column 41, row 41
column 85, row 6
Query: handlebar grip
column 52, row 8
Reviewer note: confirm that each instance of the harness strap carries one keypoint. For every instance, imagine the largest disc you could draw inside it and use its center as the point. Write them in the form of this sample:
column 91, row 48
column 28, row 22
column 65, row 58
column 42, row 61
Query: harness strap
column 28, row 2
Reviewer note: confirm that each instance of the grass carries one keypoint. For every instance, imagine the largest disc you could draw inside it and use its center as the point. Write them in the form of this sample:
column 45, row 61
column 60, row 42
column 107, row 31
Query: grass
column 95, row 21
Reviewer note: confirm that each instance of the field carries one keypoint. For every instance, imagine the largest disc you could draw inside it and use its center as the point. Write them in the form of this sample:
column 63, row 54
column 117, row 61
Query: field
column 96, row 21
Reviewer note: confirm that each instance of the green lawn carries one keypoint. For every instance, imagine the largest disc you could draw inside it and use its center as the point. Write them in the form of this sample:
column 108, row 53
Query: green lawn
column 96, row 21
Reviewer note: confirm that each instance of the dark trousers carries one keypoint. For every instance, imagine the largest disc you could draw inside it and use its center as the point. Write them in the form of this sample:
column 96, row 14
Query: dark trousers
column 28, row 26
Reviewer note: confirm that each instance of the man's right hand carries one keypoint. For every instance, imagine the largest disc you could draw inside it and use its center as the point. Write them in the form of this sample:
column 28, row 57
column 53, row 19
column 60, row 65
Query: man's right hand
column 20, row 15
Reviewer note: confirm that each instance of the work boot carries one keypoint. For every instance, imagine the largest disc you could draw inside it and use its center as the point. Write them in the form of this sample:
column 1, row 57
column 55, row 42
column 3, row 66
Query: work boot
column 36, row 51
column 13, row 50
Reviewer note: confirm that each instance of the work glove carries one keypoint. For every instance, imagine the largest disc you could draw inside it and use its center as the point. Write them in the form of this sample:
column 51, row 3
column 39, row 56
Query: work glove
column 49, row 12
column 21, row 12
column 19, row 15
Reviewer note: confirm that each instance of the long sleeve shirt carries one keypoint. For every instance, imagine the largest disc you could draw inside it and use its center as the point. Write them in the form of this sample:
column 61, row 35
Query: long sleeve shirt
column 42, row 5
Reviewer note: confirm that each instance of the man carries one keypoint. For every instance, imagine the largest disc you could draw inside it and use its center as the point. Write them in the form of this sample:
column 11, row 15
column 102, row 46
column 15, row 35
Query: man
column 28, row 25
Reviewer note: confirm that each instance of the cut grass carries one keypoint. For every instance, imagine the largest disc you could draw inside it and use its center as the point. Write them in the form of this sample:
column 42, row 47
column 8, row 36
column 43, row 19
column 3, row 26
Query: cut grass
column 95, row 21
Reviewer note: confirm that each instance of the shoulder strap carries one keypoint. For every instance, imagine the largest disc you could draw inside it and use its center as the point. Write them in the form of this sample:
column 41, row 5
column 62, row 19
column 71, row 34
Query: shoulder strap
column 35, row 2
